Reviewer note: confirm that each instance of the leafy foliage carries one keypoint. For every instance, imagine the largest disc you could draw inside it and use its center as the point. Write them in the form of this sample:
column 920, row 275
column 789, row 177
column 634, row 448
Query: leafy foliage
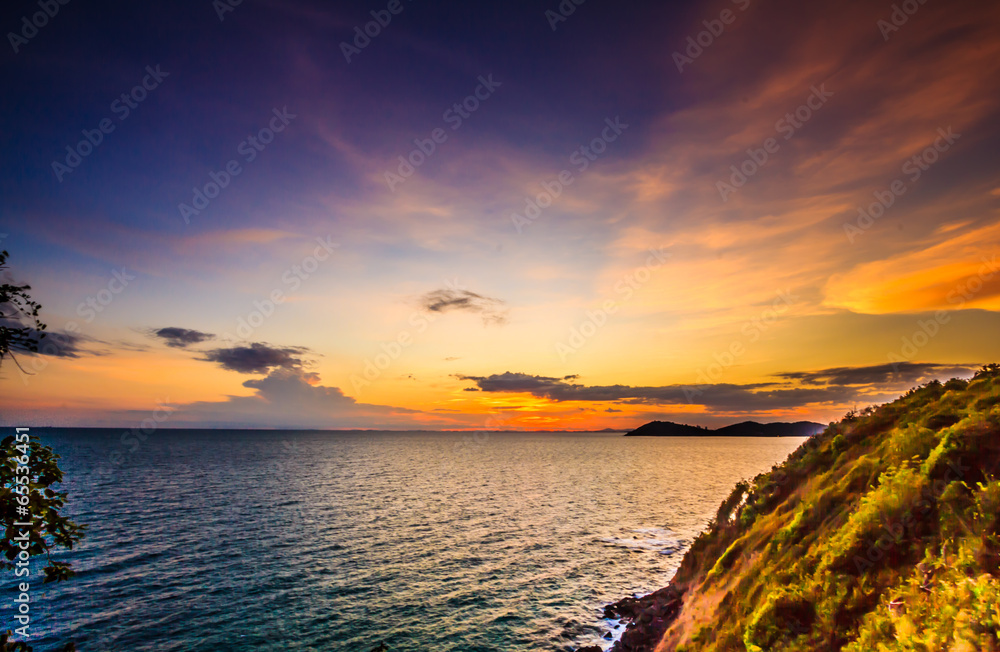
column 6, row 645
column 29, row 471
column 881, row 533
column 17, row 305
column 50, row 529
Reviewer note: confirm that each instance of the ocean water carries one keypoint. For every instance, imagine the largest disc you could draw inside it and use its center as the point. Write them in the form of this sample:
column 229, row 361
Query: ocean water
column 207, row 541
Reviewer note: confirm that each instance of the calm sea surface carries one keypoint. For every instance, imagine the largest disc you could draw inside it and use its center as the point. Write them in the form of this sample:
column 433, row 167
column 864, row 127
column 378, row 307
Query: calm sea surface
column 242, row 540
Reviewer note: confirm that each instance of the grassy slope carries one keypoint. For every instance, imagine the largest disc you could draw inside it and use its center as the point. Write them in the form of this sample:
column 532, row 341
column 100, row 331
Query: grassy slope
column 881, row 533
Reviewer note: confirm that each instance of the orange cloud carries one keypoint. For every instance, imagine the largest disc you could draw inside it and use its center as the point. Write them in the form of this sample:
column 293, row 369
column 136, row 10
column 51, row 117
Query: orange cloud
column 961, row 272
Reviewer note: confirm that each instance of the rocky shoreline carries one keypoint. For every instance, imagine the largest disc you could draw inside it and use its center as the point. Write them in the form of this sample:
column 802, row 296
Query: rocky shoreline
column 647, row 618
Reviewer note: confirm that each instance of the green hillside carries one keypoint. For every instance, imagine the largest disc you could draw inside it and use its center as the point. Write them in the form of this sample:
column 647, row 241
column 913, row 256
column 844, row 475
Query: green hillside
column 881, row 533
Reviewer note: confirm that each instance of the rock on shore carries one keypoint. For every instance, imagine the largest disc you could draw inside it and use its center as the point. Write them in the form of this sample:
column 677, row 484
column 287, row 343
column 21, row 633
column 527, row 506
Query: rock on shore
column 647, row 619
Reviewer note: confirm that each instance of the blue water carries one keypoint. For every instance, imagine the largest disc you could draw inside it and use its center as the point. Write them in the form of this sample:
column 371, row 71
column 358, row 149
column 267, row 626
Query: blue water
column 239, row 540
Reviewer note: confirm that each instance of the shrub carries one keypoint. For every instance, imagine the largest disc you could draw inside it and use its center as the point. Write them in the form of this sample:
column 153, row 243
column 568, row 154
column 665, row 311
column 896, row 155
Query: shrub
column 954, row 507
column 988, row 507
column 956, row 384
column 785, row 616
column 942, row 421
column 881, row 522
column 725, row 561
column 987, row 402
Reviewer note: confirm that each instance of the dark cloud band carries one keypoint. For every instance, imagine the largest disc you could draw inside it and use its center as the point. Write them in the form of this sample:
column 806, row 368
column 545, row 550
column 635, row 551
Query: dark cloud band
column 257, row 358
column 180, row 338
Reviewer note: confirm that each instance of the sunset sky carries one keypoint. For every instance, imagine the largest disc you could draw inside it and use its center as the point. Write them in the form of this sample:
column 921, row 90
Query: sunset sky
column 694, row 251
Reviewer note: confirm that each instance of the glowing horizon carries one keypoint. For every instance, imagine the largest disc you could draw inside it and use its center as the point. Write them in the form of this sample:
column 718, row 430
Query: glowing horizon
column 502, row 217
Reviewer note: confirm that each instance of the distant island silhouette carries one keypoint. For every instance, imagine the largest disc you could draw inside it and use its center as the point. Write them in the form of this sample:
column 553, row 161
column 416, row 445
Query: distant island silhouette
column 743, row 429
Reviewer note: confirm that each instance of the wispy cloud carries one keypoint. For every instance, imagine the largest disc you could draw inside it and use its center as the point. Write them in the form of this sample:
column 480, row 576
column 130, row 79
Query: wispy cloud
column 56, row 344
column 795, row 390
column 180, row 338
column 721, row 396
column 492, row 311
column 258, row 358
column 294, row 398
column 64, row 345
column 907, row 373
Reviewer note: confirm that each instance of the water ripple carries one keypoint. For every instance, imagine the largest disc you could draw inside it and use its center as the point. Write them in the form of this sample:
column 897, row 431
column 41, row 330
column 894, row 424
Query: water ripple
column 305, row 541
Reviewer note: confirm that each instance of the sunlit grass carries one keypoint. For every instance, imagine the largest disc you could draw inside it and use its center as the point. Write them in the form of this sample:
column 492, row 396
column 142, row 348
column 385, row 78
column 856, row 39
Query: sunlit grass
column 880, row 533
